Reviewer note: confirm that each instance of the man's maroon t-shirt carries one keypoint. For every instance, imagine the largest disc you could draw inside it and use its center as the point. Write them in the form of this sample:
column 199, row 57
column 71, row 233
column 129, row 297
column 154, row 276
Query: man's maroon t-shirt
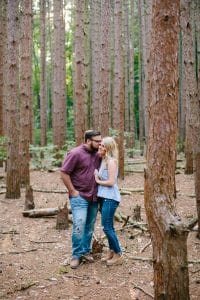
column 80, row 164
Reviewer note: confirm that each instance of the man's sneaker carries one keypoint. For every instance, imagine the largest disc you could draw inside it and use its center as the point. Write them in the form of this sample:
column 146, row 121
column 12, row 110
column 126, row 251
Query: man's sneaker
column 88, row 258
column 75, row 262
column 116, row 260
column 108, row 256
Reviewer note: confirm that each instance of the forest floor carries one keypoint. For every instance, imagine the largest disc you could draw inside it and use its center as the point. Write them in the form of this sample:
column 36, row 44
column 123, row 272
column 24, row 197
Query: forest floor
column 34, row 255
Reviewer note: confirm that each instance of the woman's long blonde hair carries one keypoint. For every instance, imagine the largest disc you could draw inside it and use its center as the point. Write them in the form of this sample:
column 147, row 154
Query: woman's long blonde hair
column 111, row 148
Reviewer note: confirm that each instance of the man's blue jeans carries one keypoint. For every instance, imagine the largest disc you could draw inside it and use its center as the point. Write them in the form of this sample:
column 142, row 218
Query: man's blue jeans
column 84, row 216
column 108, row 208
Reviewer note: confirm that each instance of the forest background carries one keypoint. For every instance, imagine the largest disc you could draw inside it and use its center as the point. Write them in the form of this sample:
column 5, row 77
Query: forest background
column 127, row 68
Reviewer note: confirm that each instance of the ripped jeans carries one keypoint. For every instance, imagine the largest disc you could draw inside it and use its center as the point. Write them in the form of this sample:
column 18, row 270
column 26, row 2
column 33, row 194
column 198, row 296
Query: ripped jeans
column 84, row 216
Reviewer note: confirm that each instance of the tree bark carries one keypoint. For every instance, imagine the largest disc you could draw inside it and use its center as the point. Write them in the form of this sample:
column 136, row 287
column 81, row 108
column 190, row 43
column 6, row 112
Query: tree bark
column 104, row 116
column 25, row 90
column 29, row 201
column 131, row 141
column 188, row 76
column 126, row 42
column 59, row 76
column 141, row 83
column 3, row 66
column 95, row 18
column 13, row 169
column 194, row 118
column 43, row 88
column 118, row 94
column 168, row 233
column 79, row 73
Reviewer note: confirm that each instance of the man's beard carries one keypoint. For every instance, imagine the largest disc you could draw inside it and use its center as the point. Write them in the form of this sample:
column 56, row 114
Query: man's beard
column 94, row 149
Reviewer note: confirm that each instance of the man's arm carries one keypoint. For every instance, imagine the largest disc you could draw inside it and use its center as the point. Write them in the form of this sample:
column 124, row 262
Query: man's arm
column 67, row 182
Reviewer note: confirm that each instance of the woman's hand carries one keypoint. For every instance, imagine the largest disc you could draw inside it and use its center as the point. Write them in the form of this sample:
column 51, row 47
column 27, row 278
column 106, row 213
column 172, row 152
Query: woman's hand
column 96, row 175
column 96, row 172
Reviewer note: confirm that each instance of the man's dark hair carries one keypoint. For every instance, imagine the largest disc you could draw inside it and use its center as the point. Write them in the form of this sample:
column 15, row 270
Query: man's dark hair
column 89, row 134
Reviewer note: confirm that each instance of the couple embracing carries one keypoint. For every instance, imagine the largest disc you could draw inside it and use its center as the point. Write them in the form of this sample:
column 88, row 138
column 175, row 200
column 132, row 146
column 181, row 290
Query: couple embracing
column 89, row 172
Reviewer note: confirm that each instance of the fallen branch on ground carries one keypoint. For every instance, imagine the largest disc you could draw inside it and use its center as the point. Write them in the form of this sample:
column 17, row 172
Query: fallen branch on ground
column 51, row 191
column 126, row 221
column 20, row 252
column 141, row 289
column 124, row 192
column 25, row 286
column 9, row 232
column 134, row 171
column 42, row 212
column 147, row 245
column 22, row 287
column 150, row 259
column 133, row 190
column 134, row 162
column 76, row 276
column 44, row 242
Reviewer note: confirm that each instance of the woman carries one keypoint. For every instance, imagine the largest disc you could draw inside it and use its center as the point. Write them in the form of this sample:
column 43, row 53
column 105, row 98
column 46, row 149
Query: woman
column 109, row 194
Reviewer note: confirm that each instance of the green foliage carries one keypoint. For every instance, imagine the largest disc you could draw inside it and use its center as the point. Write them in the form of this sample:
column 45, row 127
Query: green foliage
column 3, row 145
column 49, row 156
column 70, row 120
column 37, row 133
column 69, row 60
column 180, row 145
column 131, row 152
column 46, row 157
column 113, row 132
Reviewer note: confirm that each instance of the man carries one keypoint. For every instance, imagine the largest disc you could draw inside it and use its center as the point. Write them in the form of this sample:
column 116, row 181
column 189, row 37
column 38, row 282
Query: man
column 77, row 173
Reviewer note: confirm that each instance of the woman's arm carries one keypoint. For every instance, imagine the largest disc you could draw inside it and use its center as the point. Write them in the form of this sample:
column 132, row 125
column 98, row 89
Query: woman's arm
column 112, row 171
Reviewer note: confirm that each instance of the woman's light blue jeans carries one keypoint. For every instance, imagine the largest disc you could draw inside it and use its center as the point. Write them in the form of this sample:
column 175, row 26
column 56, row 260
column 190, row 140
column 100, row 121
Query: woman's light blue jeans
column 84, row 216
column 108, row 208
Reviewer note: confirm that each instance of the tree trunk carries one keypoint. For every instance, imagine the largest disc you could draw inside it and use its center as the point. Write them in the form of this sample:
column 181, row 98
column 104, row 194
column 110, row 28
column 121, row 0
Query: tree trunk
column 95, row 17
column 79, row 73
column 181, row 104
column 144, row 66
column 49, row 65
column 126, row 43
column 147, row 37
column 3, row 51
column 29, row 201
column 194, row 121
column 13, row 170
column 43, row 88
column 118, row 94
column 62, row 221
column 188, row 76
column 131, row 141
column 2, row 41
column 25, row 90
column 141, row 83
column 87, row 55
column 59, row 76
column 168, row 233
column 104, row 116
